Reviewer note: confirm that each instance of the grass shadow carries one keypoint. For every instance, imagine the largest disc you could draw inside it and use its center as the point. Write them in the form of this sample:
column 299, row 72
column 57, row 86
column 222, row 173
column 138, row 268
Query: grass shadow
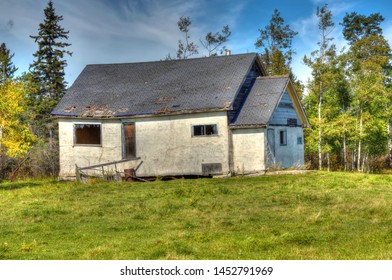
column 8, row 186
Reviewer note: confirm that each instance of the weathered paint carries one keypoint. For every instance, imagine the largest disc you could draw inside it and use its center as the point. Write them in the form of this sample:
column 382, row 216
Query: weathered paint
column 248, row 151
column 285, row 110
column 291, row 154
column 165, row 145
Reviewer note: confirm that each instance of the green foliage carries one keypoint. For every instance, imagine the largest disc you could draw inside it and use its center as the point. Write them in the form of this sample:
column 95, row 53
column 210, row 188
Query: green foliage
column 357, row 27
column 276, row 40
column 310, row 216
column 276, row 43
column 349, row 95
column 48, row 68
column 7, row 69
column 186, row 48
column 212, row 42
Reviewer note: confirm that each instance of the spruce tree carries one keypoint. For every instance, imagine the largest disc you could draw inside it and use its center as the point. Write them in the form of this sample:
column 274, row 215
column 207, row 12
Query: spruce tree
column 7, row 68
column 48, row 68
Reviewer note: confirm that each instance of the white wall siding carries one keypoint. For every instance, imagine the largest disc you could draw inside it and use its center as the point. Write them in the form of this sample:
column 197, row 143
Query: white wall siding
column 165, row 145
column 248, row 151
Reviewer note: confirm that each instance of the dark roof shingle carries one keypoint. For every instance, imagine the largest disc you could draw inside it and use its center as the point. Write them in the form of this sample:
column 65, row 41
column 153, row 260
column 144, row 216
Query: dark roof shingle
column 262, row 100
column 113, row 90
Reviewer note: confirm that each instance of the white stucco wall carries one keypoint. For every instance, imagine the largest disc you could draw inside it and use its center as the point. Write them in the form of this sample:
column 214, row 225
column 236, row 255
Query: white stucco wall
column 248, row 150
column 165, row 145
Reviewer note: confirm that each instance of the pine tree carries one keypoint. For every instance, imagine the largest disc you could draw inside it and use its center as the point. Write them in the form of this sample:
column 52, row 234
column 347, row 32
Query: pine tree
column 7, row 69
column 48, row 68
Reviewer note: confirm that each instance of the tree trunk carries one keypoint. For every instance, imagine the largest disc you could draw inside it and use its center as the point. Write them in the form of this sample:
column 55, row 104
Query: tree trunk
column 319, row 132
column 344, row 152
column 359, row 167
column 328, row 163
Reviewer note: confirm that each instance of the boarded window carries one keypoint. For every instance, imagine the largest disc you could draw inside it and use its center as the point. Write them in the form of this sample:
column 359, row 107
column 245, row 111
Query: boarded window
column 203, row 130
column 129, row 141
column 87, row 134
column 283, row 137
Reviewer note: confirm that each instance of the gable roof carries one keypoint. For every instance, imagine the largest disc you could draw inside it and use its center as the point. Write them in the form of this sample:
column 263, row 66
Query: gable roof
column 148, row 88
column 263, row 99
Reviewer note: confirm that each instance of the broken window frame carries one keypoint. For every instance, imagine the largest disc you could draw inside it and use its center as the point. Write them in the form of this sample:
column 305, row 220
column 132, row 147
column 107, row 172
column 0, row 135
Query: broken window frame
column 125, row 154
column 283, row 137
column 78, row 142
column 204, row 130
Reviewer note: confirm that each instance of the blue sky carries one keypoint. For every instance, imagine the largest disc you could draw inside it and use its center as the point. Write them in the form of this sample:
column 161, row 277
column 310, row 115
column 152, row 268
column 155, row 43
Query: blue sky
column 115, row 31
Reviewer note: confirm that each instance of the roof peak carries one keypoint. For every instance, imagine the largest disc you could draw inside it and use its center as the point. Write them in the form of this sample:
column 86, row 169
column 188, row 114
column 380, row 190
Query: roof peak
column 175, row 60
column 274, row 77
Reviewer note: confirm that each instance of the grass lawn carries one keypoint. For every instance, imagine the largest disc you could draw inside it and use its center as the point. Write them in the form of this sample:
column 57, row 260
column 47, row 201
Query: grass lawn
column 308, row 216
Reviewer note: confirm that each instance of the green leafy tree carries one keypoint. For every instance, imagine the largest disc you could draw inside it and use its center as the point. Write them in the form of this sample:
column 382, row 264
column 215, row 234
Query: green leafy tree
column 276, row 41
column 48, row 68
column 320, row 63
column 368, row 65
column 7, row 68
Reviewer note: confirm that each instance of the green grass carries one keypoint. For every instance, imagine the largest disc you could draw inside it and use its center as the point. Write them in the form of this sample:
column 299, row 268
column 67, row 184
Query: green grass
column 309, row 216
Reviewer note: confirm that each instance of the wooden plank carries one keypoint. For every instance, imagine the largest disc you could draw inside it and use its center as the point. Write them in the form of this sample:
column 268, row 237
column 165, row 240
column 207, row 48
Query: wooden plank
column 106, row 164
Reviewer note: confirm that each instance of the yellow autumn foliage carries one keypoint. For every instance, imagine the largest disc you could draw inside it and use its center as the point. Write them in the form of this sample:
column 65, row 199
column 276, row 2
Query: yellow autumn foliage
column 15, row 136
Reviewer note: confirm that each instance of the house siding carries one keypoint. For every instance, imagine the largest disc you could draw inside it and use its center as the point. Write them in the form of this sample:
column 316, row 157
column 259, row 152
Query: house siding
column 248, row 151
column 165, row 145
column 291, row 154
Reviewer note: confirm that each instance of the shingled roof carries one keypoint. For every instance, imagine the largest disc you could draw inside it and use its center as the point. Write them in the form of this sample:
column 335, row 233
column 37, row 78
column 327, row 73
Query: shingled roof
column 261, row 101
column 149, row 88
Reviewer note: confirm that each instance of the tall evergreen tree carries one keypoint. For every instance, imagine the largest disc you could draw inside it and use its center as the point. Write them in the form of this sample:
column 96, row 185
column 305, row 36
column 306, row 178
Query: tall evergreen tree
column 48, row 68
column 7, row 68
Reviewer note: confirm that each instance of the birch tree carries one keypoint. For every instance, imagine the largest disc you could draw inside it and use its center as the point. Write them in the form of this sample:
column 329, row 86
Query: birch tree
column 320, row 64
column 368, row 62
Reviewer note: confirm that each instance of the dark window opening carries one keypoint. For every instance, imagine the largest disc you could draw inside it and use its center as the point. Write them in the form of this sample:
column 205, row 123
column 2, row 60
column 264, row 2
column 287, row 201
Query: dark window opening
column 299, row 140
column 202, row 130
column 129, row 140
column 87, row 134
column 292, row 122
column 283, row 137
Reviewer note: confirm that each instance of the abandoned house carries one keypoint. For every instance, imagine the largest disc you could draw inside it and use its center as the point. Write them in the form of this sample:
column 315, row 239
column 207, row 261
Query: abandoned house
column 204, row 116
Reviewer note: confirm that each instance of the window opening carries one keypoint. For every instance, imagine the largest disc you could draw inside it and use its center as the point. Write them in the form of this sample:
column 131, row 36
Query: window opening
column 203, row 130
column 129, row 140
column 87, row 134
column 292, row 122
column 283, row 137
